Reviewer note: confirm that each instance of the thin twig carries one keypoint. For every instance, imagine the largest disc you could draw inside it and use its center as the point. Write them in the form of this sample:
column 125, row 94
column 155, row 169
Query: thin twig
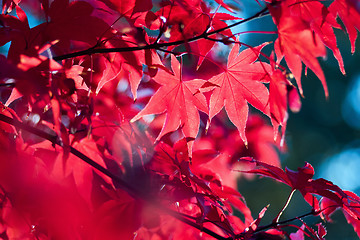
column 276, row 220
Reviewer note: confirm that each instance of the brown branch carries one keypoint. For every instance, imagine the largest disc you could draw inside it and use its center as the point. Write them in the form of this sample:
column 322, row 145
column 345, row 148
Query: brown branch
column 156, row 45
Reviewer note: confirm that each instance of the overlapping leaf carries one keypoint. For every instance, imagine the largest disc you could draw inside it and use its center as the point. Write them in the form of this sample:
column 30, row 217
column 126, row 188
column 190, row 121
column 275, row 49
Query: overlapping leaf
column 180, row 100
column 321, row 22
column 183, row 23
column 349, row 205
column 282, row 95
column 240, row 83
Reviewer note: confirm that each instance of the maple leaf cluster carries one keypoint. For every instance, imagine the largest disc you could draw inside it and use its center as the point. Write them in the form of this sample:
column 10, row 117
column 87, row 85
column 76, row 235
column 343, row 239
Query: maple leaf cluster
column 120, row 121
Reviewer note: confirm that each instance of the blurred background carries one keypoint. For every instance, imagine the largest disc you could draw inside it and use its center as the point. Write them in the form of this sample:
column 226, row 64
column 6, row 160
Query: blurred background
column 325, row 133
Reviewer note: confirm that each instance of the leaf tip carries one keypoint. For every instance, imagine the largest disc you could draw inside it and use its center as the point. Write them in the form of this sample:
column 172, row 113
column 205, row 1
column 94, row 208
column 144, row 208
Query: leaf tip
column 326, row 96
column 343, row 71
column 282, row 141
column 301, row 93
column 246, row 144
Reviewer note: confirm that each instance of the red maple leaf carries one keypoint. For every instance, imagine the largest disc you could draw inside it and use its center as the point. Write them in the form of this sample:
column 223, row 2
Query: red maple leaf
column 350, row 207
column 297, row 43
column 302, row 180
column 186, row 23
column 128, row 62
column 282, row 94
column 239, row 83
column 181, row 101
column 320, row 20
column 202, row 47
column 349, row 15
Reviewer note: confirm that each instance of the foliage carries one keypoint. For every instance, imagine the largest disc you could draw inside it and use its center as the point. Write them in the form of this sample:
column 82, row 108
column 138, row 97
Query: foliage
column 120, row 121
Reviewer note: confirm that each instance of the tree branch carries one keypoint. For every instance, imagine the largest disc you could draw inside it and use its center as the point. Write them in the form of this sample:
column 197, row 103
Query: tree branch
column 156, row 45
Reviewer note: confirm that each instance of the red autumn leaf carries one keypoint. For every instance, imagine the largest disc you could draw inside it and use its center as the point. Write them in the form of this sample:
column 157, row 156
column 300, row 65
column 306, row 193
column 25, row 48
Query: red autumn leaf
column 111, row 71
column 217, row 22
column 62, row 168
column 15, row 94
column 23, row 18
column 348, row 11
column 187, row 24
column 269, row 171
column 128, row 63
column 354, row 222
column 74, row 72
column 297, row 43
column 320, row 20
column 302, row 181
column 180, row 100
column 350, row 205
column 240, row 83
column 224, row 5
column 282, row 95
column 278, row 101
column 321, row 232
column 202, row 47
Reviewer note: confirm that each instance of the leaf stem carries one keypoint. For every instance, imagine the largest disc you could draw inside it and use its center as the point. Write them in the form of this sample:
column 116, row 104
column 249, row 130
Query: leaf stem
column 276, row 220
